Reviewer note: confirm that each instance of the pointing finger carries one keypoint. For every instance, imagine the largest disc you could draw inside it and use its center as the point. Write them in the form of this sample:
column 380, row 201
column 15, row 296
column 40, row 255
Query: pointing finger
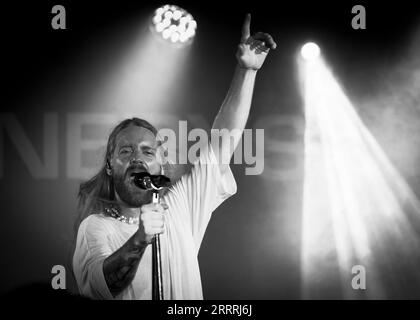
column 246, row 28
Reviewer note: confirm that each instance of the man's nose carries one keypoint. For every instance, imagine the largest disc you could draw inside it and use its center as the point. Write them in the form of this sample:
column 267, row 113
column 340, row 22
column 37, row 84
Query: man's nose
column 138, row 159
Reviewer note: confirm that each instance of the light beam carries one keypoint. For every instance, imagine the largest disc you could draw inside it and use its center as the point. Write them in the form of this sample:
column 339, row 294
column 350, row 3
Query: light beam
column 357, row 209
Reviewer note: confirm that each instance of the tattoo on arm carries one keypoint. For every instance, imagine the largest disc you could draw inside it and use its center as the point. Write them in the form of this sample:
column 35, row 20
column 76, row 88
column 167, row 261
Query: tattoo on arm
column 121, row 266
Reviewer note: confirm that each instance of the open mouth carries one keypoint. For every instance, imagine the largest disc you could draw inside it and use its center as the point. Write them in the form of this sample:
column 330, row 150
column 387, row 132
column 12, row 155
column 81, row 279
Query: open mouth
column 136, row 173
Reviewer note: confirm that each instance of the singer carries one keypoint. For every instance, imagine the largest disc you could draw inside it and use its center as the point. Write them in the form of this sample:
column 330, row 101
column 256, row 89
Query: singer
column 112, row 258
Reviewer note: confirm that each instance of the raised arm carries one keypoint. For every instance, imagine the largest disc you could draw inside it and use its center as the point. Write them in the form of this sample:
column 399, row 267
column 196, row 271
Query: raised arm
column 233, row 114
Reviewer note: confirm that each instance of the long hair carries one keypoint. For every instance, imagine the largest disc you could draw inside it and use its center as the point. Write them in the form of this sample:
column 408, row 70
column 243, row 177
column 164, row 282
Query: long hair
column 98, row 192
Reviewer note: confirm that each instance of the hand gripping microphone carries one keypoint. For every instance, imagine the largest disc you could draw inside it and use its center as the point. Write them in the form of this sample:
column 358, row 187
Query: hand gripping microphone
column 146, row 181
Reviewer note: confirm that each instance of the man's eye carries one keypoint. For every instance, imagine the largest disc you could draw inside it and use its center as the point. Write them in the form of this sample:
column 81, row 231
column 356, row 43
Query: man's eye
column 125, row 151
column 150, row 153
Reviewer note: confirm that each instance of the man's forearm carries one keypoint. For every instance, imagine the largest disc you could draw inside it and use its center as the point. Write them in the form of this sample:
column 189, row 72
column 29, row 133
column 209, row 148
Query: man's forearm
column 121, row 266
column 234, row 111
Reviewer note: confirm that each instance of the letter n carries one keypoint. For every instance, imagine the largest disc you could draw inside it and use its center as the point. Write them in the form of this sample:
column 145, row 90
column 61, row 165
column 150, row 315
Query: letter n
column 38, row 170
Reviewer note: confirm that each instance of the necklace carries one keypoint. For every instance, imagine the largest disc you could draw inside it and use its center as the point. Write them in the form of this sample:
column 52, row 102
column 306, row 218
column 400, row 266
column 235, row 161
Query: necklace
column 113, row 212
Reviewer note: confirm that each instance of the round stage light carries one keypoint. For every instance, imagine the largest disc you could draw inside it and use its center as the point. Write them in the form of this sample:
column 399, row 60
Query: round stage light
column 174, row 24
column 310, row 51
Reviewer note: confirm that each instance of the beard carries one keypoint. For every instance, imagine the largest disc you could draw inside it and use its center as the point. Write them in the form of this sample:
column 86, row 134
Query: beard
column 129, row 193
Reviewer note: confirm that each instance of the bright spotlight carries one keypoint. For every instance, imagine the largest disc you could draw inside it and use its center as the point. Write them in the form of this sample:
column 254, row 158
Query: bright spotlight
column 174, row 24
column 310, row 51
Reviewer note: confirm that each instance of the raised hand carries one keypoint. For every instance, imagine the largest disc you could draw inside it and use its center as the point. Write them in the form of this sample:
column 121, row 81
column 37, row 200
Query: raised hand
column 253, row 50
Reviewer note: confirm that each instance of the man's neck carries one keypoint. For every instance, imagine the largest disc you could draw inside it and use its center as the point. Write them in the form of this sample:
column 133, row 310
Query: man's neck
column 129, row 212
column 126, row 211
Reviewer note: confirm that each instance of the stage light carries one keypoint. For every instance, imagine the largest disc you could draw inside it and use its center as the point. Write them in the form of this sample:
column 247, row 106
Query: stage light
column 174, row 24
column 356, row 206
column 148, row 74
column 310, row 51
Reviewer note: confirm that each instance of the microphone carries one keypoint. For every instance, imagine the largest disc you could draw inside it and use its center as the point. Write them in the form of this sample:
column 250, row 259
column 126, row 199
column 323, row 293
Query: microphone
column 146, row 181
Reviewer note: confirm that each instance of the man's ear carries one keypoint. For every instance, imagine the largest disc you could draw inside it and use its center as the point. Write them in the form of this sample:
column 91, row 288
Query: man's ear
column 108, row 168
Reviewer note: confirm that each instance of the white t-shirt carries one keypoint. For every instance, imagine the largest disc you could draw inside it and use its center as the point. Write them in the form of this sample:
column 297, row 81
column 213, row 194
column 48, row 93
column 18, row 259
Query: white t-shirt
column 191, row 201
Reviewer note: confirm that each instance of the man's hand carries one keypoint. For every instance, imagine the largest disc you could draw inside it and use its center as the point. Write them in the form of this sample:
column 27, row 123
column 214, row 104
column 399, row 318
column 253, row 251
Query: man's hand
column 253, row 50
column 151, row 221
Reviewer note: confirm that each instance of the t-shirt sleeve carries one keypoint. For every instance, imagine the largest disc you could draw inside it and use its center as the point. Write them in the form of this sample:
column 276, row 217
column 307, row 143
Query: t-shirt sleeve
column 91, row 250
column 203, row 189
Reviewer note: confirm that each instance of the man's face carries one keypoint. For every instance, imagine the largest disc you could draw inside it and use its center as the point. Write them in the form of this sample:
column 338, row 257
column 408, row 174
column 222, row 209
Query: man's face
column 135, row 151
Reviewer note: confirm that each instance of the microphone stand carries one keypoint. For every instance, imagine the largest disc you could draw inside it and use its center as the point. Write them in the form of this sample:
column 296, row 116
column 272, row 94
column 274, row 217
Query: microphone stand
column 154, row 183
column 157, row 285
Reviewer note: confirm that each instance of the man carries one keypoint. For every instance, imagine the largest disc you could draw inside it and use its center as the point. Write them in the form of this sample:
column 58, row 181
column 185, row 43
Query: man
column 112, row 259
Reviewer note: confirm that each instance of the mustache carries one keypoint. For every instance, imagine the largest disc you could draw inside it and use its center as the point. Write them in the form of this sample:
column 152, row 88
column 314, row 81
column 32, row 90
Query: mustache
column 136, row 168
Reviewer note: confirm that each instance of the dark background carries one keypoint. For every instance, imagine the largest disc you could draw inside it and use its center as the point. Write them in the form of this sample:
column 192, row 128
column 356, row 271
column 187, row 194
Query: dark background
column 251, row 248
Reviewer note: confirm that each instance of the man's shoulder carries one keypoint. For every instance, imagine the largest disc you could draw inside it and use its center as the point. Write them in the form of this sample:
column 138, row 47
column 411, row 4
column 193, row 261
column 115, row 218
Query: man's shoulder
column 94, row 220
